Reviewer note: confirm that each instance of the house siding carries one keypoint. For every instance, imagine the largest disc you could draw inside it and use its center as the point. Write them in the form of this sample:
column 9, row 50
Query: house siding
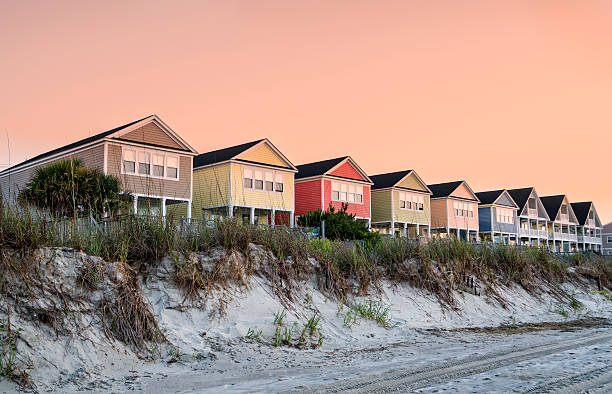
column 347, row 171
column 484, row 219
column 307, row 196
column 409, row 216
column 381, row 206
column 439, row 217
column 180, row 189
column 210, row 188
column 10, row 185
column 359, row 210
column 462, row 222
column 262, row 199
column 504, row 227
column 151, row 134
column 262, row 154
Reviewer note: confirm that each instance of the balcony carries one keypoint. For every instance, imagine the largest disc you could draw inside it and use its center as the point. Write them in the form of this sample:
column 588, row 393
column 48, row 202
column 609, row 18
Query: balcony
column 589, row 240
column 565, row 237
column 532, row 232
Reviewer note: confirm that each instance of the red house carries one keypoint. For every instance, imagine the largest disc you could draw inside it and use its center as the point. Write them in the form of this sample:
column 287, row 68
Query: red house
column 337, row 181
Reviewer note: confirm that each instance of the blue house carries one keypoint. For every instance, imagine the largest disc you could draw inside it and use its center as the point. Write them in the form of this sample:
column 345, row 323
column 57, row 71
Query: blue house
column 497, row 217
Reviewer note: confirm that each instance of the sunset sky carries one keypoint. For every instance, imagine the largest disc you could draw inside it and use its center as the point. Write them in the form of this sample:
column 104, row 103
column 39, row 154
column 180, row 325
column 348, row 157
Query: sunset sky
column 502, row 96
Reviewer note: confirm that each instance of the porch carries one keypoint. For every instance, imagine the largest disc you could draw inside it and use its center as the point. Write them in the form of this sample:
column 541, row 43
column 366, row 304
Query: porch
column 253, row 215
column 144, row 205
column 402, row 229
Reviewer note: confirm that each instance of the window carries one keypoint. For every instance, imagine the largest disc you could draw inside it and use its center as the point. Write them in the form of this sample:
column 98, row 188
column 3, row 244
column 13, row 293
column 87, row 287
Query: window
column 150, row 163
column 260, row 179
column 505, row 215
column 247, row 175
column 172, row 167
column 129, row 161
column 463, row 209
column 591, row 215
column 347, row 192
column 411, row 201
column 269, row 181
column 279, row 183
column 532, row 203
column 144, row 164
column 609, row 239
column 158, row 165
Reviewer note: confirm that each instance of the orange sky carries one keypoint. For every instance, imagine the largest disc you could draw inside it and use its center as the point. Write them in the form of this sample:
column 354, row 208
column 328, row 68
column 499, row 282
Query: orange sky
column 500, row 95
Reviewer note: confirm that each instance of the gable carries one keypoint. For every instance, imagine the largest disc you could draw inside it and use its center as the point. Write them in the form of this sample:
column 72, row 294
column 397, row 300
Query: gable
column 346, row 170
column 462, row 191
column 504, row 199
column 264, row 154
column 412, row 182
column 151, row 134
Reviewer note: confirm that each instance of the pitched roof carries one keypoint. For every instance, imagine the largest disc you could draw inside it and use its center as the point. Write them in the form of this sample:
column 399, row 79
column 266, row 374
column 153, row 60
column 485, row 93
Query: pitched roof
column 520, row 196
column 318, row 167
column 219, row 155
column 489, row 197
column 76, row 144
column 552, row 204
column 444, row 189
column 389, row 179
column 581, row 210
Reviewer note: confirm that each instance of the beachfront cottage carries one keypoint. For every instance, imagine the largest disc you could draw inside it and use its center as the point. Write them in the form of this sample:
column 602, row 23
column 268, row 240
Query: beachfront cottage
column 454, row 210
column 400, row 204
column 334, row 181
column 152, row 162
column 532, row 217
column 562, row 227
column 497, row 217
column 606, row 240
column 589, row 226
column 253, row 181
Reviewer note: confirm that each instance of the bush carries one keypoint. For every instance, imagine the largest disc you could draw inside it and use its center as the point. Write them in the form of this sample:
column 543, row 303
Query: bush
column 339, row 224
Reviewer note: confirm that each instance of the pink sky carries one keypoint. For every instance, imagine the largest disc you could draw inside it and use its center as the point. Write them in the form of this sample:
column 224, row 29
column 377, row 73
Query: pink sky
column 503, row 96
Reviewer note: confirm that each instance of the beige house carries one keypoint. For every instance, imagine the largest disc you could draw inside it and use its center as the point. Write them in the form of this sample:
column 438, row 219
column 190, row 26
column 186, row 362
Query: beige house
column 152, row 162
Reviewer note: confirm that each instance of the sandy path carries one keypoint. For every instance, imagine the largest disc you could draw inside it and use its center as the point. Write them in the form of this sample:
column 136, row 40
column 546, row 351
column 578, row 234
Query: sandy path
column 408, row 380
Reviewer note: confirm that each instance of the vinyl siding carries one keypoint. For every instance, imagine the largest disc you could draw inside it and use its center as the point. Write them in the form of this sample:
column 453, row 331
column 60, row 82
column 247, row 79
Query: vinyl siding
column 151, row 134
column 262, row 153
column 503, row 227
column 92, row 158
column 462, row 222
column 484, row 219
column 381, row 206
column 409, row 216
column 262, row 199
column 210, row 188
column 462, row 192
column 438, row 213
column 359, row 210
column 346, row 170
column 411, row 182
column 307, row 196
column 180, row 189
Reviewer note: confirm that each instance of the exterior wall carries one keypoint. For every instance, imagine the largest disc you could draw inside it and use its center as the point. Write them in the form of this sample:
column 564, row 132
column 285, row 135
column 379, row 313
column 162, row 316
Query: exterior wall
column 411, row 183
column 259, row 198
column 406, row 215
column 484, row 219
column 462, row 192
column 262, row 154
column 210, row 188
column 180, row 189
column 605, row 245
column 381, row 206
column 151, row 134
column 307, row 196
column 439, row 216
column 359, row 210
column 93, row 158
column 347, row 171
column 503, row 227
column 462, row 222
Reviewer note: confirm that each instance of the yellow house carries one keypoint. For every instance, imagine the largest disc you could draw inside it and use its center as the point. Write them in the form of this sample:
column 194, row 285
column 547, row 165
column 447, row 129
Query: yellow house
column 253, row 181
column 400, row 204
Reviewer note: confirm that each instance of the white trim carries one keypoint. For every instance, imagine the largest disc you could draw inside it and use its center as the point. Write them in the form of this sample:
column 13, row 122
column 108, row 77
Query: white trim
column 323, row 194
column 105, row 165
column 144, row 145
column 156, row 196
column 383, row 189
column 355, row 166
